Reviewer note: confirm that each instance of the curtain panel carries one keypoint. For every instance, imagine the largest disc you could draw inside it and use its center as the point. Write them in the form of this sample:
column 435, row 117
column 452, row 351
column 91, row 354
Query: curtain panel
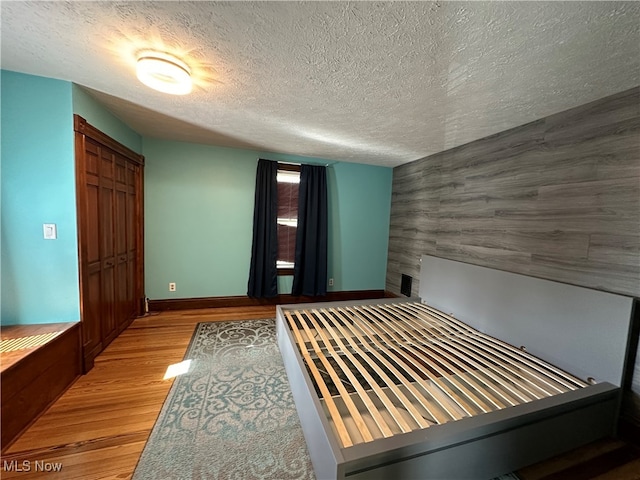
column 263, row 274
column 310, row 271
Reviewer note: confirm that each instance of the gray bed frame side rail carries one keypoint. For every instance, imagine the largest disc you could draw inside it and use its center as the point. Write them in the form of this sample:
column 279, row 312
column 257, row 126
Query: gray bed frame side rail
column 491, row 444
column 583, row 331
column 326, row 454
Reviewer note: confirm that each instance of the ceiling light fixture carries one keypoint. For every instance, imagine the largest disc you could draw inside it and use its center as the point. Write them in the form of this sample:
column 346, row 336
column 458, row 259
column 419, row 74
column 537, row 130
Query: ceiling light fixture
column 164, row 72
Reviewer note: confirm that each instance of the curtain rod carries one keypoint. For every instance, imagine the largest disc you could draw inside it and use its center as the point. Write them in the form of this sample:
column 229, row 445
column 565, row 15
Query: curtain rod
column 294, row 163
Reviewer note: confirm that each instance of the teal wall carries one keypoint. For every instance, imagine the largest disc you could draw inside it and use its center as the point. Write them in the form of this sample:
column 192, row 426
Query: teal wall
column 94, row 113
column 198, row 208
column 199, row 214
column 39, row 277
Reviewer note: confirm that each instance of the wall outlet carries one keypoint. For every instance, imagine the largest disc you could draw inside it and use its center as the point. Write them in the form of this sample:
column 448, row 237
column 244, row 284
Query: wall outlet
column 172, row 287
column 331, row 282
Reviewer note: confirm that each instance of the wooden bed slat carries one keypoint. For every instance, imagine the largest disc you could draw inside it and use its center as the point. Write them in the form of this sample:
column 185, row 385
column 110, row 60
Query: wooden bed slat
column 572, row 382
column 459, row 360
column 465, row 400
column 364, row 371
column 340, row 427
column 335, row 377
column 514, row 374
column 456, row 347
column 377, row 348
column 410, row 366
column 371, row 408
column 440, row 394
column 545, row 370
column 372, row 353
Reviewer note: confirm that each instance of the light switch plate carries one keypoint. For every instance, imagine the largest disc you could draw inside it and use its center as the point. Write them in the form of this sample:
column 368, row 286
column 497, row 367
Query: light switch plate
column 50, row 231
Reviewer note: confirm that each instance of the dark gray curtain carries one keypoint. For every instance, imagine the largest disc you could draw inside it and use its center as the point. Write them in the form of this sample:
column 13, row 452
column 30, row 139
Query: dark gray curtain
column 310, row 271
column 263, row 274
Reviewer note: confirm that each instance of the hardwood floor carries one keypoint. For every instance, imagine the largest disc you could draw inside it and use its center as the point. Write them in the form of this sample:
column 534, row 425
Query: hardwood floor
column 99, row 427
column 607, row 459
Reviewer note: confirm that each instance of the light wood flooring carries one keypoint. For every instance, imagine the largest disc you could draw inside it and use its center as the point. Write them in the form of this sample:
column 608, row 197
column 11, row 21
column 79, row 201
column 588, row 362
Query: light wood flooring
column 98, row 428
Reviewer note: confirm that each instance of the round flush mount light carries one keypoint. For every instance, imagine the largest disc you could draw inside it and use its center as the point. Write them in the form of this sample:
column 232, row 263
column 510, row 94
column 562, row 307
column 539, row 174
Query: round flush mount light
column 164, row 72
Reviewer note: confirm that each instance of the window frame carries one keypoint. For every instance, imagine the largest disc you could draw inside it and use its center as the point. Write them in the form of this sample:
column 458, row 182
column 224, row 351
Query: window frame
column 287, row 167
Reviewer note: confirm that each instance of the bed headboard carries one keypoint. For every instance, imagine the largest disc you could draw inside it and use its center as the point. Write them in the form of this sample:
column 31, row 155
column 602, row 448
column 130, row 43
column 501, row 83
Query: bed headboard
column 581, row 330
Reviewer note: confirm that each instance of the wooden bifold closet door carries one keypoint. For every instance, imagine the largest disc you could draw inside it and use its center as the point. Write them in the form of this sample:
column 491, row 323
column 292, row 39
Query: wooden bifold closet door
column 110, row 237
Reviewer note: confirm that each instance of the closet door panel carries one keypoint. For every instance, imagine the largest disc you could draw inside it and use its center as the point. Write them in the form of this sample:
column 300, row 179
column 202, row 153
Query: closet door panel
column 91, row 264
column 107, row 246
column 91, row 326
column 133, row 232
column 91, row 329
column 110, row 232
column 123, row 314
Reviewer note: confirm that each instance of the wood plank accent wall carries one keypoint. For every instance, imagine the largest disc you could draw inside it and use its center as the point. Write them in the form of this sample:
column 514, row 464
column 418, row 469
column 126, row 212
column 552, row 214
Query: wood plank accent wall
column 558, row 198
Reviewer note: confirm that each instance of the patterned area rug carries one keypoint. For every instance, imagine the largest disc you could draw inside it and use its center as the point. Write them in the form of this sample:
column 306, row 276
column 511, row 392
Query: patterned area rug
column 232, row 415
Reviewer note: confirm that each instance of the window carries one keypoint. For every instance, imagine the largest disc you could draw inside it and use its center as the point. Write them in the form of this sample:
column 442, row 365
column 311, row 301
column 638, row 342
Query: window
column 288, row 184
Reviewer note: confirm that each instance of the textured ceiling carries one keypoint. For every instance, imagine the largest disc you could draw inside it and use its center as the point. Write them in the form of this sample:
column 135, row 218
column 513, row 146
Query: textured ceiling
column 382, row 83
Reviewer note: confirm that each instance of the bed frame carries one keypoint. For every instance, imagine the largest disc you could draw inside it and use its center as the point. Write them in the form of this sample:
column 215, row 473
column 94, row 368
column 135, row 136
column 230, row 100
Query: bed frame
column 437, row 390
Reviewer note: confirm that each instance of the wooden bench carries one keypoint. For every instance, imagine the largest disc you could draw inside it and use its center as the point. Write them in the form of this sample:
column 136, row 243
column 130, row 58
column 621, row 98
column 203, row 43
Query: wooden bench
column 38, row 364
